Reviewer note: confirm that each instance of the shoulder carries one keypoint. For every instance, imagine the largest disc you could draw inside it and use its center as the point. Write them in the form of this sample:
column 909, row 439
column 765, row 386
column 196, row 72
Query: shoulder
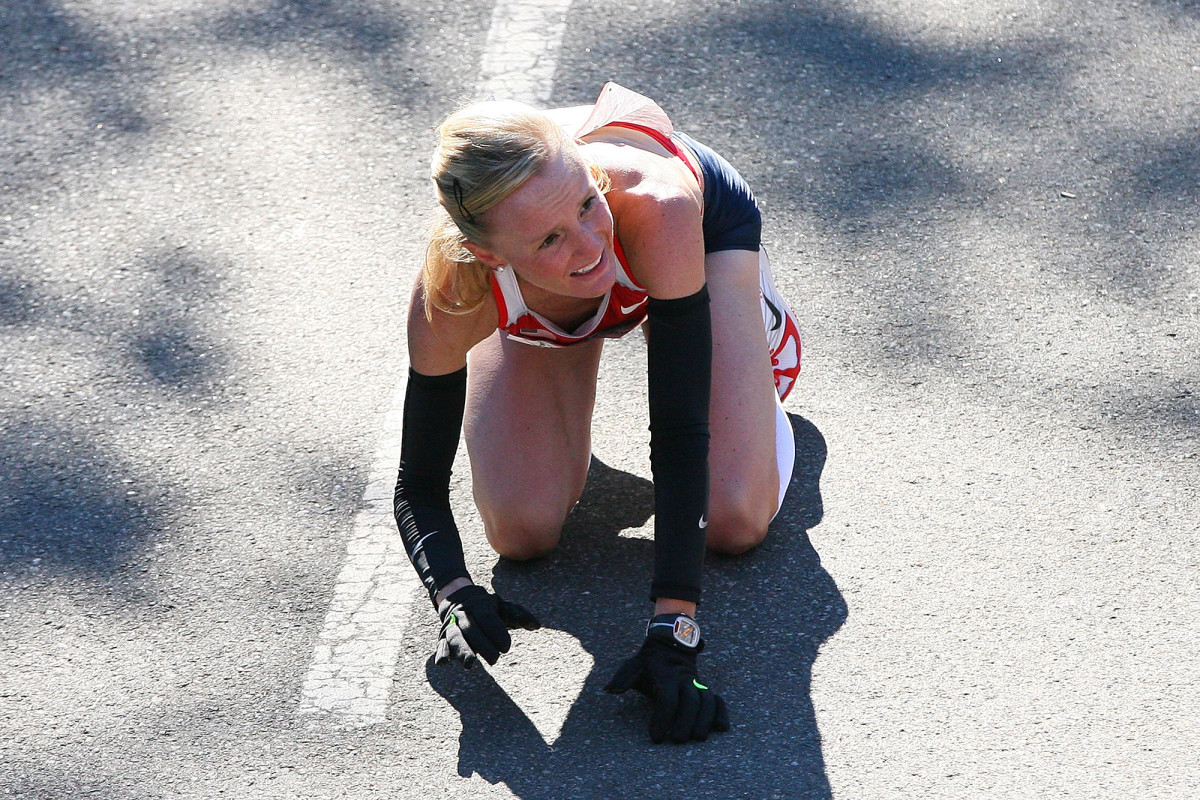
column 642, row 174
column 652, row 206
column 439, row 343
column 658, row 221
column 649, row 191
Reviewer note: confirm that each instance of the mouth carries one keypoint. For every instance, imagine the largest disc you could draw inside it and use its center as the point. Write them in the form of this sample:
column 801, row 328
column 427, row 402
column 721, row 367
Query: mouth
column 581, row 272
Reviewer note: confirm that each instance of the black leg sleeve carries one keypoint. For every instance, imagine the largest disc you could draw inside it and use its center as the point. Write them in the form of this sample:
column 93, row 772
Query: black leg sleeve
column 680, row 380
column 433, row 414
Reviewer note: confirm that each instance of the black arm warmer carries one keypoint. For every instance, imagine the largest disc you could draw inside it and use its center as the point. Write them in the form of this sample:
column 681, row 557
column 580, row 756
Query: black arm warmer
column 680, row 378
column 433, row 414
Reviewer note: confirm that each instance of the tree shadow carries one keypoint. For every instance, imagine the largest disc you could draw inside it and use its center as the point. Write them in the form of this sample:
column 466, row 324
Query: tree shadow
column 42, row 47
column 351, row 28
column 71, row 501
column 63, row 504
column 173, row 340
column 760, row 657
column 18, row 302
column 1155, row 208
column 377, row 43
column 1176, row 10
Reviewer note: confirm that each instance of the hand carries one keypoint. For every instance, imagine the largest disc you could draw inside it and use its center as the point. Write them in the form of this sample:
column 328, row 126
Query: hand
column 475, row 625
column 664, row 670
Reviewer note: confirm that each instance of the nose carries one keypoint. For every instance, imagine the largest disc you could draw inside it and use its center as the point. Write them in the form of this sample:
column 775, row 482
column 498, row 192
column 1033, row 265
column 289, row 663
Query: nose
column 583, row 246
column 595, row 232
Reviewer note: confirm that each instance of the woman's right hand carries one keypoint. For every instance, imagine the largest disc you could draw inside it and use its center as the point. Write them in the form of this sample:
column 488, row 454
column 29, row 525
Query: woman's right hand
column 475, row 624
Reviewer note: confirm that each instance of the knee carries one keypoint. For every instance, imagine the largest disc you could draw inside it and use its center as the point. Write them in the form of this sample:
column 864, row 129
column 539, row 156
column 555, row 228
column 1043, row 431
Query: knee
column 525, row 536
column 736, row 525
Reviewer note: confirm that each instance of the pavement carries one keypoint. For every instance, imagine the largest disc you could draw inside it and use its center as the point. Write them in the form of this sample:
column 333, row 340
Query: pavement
column 983, row 582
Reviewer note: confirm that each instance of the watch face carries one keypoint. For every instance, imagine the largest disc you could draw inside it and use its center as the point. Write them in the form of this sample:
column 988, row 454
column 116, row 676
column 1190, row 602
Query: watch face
column 687, row 632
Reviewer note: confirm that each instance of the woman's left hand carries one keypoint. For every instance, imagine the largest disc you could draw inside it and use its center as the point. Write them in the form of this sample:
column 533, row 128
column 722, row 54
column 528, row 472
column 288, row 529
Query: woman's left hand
column 664, row 670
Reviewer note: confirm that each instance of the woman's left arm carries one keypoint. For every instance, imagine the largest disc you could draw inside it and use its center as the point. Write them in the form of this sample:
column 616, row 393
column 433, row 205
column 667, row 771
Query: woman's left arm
column 660, row 230
column 679, row 334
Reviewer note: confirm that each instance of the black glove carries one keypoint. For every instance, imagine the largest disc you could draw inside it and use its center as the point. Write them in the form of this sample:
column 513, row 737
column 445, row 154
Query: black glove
column 664, row 670
column 475, row 625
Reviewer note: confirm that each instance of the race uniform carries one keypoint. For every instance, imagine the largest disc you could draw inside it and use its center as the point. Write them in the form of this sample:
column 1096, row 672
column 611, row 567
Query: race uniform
column 731, row 221
column 679, row 370
column 622, row 309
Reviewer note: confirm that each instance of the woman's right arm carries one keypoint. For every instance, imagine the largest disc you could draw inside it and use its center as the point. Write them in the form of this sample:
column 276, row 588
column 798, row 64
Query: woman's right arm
column 475, row 621
column 433, row 413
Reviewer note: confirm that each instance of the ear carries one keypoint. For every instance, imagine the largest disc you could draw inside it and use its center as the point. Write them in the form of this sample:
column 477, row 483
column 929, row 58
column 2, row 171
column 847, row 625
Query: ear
column 484, row 256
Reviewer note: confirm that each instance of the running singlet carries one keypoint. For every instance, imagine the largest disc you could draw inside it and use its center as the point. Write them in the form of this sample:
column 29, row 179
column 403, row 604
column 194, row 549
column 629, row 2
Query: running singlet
column 623, row 307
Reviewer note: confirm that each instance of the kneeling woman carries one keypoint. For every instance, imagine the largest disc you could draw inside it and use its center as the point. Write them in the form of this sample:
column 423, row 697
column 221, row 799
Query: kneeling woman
column 559, row 229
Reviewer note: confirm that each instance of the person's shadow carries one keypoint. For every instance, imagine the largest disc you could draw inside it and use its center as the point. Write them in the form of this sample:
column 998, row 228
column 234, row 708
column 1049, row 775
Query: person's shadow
column 765, row 614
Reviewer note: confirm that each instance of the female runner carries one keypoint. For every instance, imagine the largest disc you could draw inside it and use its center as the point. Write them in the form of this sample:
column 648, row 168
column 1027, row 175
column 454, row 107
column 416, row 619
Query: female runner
column 558, row 229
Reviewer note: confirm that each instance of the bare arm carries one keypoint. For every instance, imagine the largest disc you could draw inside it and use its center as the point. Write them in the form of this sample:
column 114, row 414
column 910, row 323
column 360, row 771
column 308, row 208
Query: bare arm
column 439, row 346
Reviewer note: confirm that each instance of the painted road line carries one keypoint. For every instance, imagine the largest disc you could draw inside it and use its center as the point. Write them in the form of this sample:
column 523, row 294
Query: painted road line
column 522, row 48
column 351, row 670
column 350, row 677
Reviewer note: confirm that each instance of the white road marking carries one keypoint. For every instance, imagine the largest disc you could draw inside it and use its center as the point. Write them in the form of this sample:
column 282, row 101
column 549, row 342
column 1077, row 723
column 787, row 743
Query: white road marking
column 522, row 47
column 350, row 677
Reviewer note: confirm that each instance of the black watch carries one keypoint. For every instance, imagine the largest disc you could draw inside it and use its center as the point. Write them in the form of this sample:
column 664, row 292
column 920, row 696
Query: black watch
column 675, row 627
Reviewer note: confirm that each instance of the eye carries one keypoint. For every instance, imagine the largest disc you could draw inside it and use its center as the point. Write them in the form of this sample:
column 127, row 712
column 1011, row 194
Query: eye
column 589, row 204
column 549, row 240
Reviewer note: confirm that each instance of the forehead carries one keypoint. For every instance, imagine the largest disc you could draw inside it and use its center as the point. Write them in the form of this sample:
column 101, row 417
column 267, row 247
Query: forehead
column 538, row 203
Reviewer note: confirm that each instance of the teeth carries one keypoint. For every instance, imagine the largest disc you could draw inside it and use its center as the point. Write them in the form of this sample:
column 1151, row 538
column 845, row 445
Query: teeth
column 588, row 269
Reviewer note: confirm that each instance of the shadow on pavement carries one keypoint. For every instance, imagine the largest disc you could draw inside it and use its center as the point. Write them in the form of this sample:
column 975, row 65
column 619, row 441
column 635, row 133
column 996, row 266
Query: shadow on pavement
column 760, row 657
column 42, row 46
column 72, row 498
column 59, row 517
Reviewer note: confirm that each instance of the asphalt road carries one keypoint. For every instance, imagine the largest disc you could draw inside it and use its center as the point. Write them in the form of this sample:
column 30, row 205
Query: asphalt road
column 983, row 583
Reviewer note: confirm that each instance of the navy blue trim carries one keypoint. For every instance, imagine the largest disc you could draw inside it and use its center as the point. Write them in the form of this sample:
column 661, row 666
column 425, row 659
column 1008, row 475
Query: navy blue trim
column 732, row 220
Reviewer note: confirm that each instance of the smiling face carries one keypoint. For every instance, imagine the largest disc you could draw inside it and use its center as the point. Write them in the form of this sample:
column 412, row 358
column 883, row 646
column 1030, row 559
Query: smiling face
column 555, row 231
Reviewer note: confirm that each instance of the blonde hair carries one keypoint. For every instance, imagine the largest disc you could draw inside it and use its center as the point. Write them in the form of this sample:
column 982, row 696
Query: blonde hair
column 485, row 152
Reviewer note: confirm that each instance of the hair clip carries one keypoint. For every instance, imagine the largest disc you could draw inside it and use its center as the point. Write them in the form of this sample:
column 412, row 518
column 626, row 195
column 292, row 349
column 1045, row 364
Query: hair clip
column 458, row 198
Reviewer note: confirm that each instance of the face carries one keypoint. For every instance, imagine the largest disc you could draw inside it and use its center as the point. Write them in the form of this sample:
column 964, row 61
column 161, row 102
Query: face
column 555, row 232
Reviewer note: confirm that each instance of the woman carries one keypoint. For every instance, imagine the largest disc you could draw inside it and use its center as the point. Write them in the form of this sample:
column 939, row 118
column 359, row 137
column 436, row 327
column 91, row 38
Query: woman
column 558, row 230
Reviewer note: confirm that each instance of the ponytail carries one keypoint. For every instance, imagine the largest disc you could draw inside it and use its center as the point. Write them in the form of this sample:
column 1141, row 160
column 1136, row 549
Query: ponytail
column 455, row 281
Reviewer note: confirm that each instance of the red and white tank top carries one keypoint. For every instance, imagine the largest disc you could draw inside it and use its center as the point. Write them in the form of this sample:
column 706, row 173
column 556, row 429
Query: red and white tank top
column 622, row 309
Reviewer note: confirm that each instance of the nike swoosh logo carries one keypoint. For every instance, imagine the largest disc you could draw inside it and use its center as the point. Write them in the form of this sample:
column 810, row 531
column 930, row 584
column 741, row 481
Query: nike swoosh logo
column 627, row 309
column 775, row 313
column 421, row 541
column 704, row 521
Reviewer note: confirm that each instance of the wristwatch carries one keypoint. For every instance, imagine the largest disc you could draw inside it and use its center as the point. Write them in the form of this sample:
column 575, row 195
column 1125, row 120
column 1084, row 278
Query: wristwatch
column 679, row 627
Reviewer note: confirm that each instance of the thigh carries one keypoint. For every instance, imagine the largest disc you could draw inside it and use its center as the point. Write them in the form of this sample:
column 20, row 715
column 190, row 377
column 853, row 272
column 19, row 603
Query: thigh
column 528, row 434
column 743, row 469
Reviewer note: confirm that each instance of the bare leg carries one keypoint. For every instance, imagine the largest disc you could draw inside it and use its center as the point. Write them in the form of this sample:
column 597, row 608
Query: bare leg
column 528, row 431
column 743, row 470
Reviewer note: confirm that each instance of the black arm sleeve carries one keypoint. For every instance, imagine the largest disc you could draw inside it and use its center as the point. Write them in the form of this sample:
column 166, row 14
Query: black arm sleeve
column 433, row 414
column 680, row 380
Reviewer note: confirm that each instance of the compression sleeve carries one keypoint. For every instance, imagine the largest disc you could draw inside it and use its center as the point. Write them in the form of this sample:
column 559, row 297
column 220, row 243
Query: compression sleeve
column 679, row 356
column 433, row 414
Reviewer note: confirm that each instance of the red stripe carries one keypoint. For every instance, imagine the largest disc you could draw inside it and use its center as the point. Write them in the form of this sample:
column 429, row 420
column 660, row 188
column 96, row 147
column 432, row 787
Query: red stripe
column 498, row 293
column 660, row 137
